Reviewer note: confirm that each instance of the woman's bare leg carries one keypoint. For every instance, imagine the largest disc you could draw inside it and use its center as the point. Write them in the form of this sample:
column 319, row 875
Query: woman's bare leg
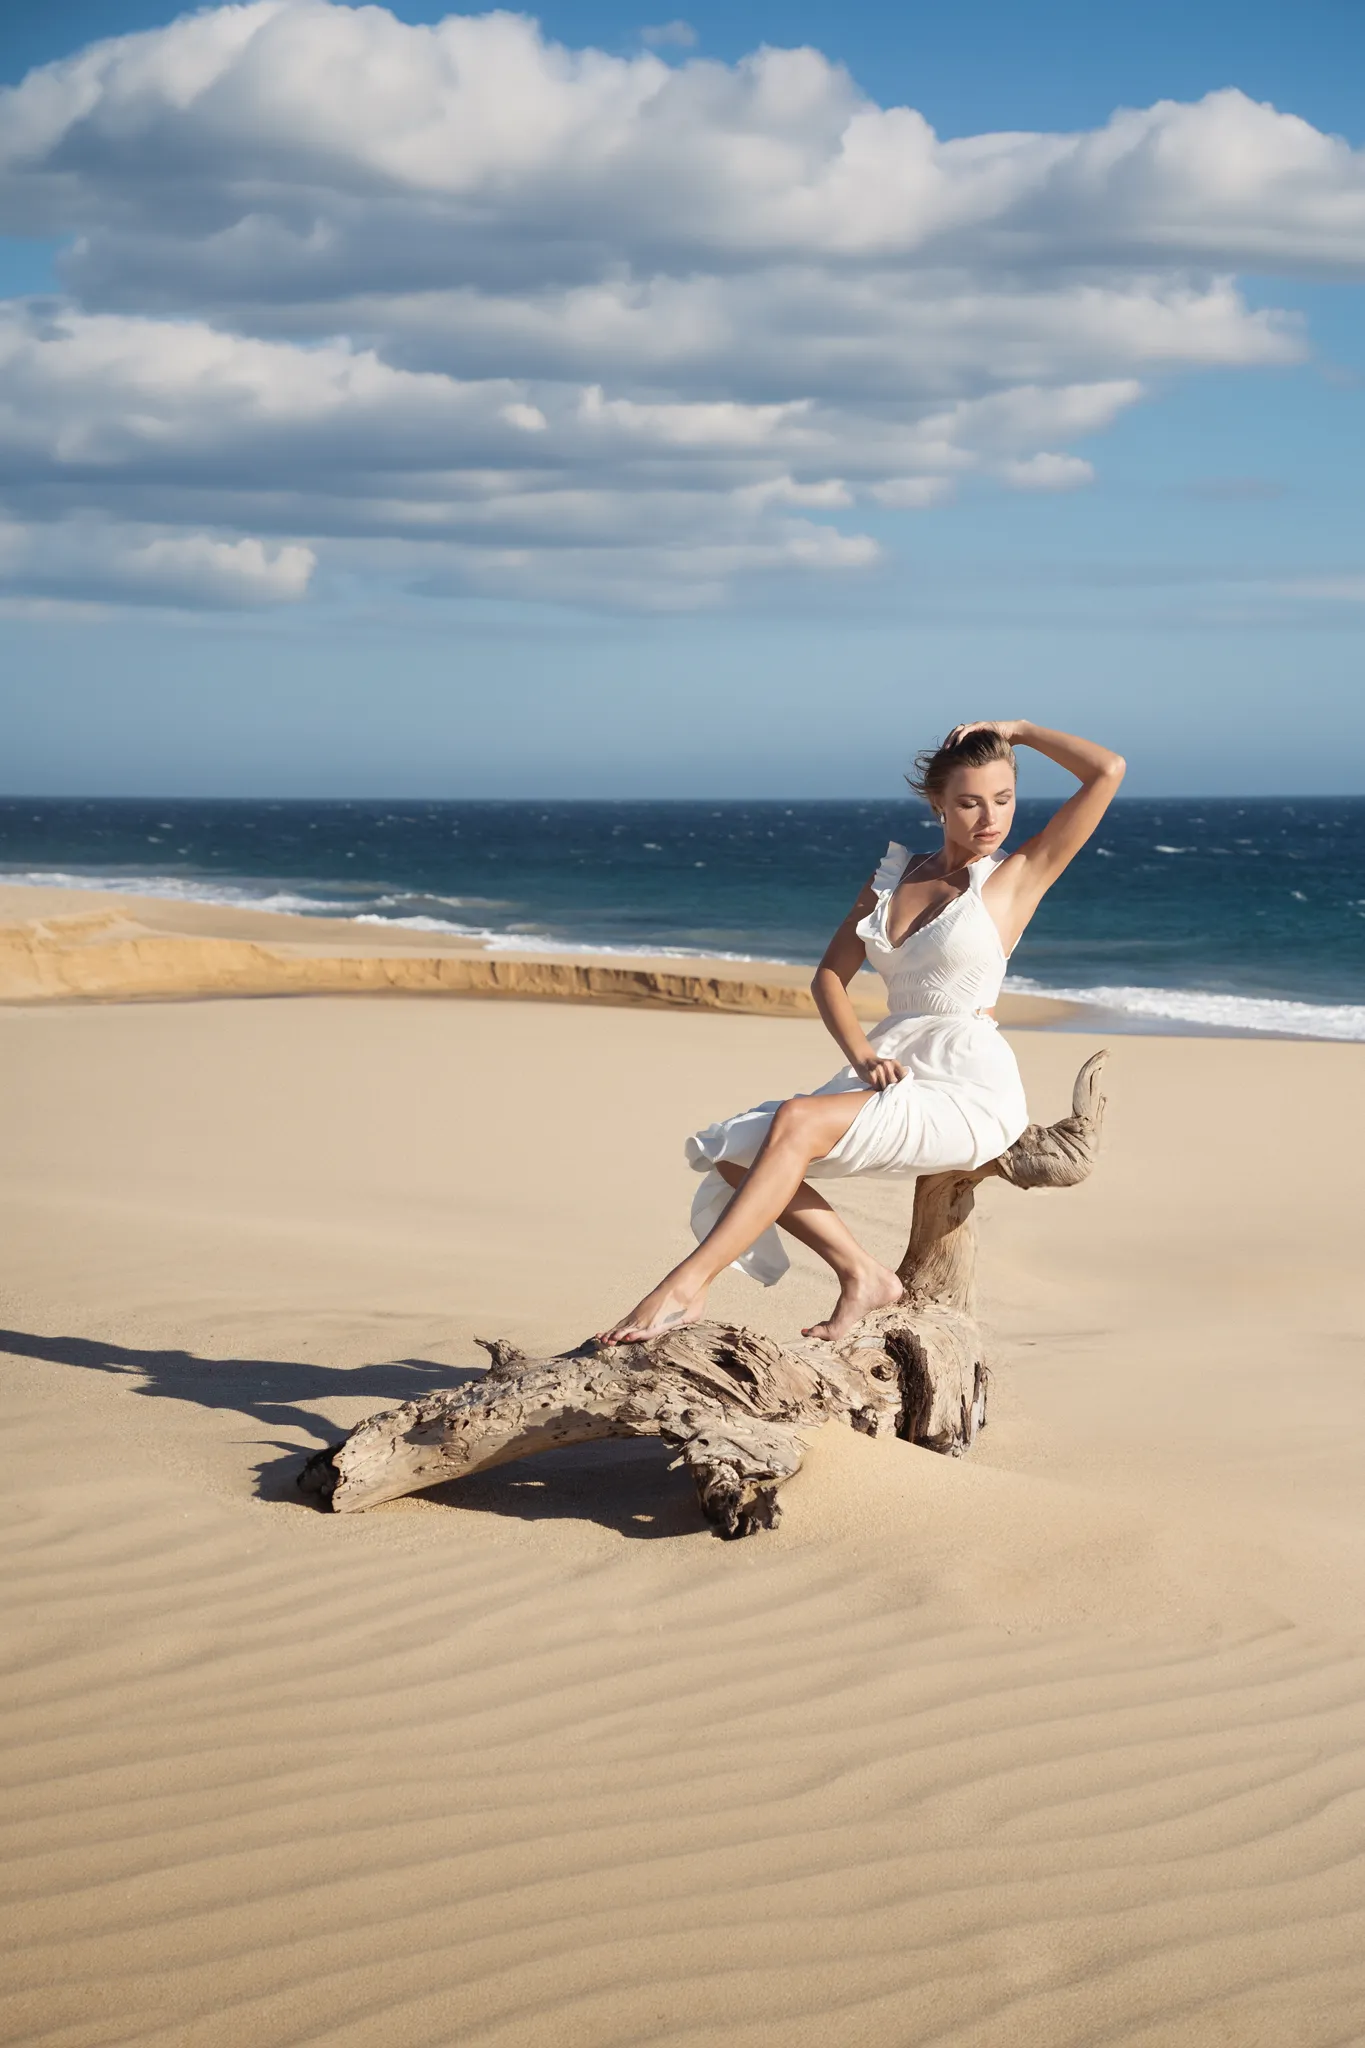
column 809, row 1218
column 803, row 1129
column 864, row 1283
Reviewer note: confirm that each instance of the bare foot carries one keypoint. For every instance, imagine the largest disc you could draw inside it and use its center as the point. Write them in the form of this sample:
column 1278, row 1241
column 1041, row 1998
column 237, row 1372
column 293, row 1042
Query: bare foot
column 871, row 1287
column 667, row 1308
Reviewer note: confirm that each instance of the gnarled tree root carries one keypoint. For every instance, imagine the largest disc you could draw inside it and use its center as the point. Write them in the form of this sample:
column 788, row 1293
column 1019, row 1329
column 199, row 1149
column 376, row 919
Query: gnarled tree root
column 738, row 1407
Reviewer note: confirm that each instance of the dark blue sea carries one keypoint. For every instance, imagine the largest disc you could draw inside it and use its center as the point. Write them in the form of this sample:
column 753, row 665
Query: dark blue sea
column 1222, row 913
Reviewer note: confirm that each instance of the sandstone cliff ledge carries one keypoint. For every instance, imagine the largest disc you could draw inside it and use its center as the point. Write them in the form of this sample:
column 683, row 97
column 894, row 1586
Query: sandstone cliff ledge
column 64, row 945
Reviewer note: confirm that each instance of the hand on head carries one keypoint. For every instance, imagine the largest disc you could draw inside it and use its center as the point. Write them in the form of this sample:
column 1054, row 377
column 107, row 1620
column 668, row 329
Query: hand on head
column 1003, row 726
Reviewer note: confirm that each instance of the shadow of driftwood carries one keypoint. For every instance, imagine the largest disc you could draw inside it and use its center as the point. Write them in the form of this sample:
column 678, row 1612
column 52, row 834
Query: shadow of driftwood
column 623, row 1486
column 626, row 1486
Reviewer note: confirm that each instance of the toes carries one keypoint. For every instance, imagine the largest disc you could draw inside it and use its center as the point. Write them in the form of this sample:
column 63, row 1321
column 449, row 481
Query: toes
column 622, row 1333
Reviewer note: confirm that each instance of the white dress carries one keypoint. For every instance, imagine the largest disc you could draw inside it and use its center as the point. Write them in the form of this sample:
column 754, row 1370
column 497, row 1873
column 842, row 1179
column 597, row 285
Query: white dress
column 961, row 1102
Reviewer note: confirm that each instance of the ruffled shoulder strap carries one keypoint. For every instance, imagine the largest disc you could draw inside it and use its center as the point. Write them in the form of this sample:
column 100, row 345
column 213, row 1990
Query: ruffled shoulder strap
column 894, row 862
column 872, row 928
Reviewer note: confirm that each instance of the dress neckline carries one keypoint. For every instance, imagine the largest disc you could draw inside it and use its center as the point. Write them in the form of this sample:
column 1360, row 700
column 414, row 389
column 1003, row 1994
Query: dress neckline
column 939, row 915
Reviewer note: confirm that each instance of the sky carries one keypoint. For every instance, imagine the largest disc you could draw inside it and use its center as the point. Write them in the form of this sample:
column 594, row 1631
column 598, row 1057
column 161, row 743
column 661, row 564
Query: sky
column 598, row 404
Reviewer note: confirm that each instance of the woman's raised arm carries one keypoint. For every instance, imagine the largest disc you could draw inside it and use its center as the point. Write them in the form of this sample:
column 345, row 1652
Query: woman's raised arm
column 1099, row 771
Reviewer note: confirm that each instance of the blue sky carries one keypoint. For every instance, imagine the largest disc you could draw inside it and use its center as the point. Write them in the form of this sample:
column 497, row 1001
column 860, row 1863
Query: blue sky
column 674, row 421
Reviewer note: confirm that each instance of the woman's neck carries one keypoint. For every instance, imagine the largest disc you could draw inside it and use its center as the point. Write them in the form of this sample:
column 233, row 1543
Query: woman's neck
column 955, row 857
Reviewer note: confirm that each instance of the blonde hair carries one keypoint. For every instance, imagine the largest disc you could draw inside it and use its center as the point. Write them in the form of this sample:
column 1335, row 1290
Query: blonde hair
column 934, row 765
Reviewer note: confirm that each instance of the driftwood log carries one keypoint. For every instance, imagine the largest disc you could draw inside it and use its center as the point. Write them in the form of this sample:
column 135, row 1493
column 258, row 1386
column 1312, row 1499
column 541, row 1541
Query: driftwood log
column 737, row 1406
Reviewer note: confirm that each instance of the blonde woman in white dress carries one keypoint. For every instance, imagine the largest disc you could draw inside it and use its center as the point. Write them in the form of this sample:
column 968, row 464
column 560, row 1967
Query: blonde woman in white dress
column 931, row 1088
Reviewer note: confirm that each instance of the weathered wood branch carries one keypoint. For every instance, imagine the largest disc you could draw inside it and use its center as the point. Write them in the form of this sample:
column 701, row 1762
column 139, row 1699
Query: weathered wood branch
column 738, row 1407
column 940, row 1259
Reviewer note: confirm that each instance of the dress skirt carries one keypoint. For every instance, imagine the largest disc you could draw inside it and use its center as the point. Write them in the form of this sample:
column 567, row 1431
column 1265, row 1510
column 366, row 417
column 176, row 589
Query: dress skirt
column 960, row 1104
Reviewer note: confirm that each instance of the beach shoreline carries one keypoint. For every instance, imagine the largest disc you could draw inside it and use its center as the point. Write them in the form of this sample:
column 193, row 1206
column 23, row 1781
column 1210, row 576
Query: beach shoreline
column 63, row 944
column 1230, row 917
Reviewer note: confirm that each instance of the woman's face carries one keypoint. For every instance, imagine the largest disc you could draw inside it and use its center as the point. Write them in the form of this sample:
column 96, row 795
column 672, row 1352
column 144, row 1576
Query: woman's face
column 977, row 806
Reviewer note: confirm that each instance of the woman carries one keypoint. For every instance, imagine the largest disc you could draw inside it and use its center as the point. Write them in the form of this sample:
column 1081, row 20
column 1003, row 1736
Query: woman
column 930, row 1089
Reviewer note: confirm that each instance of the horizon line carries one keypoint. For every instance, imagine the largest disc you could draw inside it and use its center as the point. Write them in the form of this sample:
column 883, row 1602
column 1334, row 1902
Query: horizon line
column 1129, row 797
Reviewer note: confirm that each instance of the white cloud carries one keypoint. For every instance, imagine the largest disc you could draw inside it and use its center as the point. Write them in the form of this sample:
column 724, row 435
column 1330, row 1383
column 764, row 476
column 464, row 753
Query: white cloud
column 590, row 322
column 832, row 495
column 670, row 35
column 529, row 418
column 104, row 417
column 725, row 425
column 91, row 559
column 902, row 493
column 1048, row 472
column 654, row 575
column 312, row 120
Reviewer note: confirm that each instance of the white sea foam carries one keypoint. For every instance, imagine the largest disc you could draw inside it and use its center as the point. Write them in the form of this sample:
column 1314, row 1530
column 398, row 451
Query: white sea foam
column 417, row 924
column 587, row 949
column 544, row 942
column 242, row 896
column 178, row 889
column 541, row 942
column 1272, row 1016
column 391, row 902
column 248, row 895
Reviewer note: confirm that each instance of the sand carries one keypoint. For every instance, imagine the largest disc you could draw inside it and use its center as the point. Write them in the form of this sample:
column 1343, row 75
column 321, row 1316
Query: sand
column 1060, row 1744
column 58, row 944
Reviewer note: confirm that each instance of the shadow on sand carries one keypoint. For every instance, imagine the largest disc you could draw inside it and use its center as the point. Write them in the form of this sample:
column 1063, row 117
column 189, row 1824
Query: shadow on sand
column 623, row 1486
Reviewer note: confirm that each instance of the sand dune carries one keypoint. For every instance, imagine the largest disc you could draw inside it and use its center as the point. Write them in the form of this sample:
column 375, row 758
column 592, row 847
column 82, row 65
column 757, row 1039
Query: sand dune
column 1060, row 1744
column 64, row 944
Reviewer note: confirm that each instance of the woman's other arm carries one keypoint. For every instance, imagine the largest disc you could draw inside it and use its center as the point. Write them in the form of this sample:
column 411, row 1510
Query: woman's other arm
column 1098, row 770
column 844, row 955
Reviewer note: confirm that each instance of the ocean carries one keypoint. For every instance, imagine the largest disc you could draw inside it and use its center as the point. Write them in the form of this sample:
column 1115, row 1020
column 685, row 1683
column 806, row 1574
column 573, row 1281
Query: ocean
column 1218, row 913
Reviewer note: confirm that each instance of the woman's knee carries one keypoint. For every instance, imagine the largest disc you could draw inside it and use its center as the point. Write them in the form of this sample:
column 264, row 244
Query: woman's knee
column 814, row 1124
column 794, row 1121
